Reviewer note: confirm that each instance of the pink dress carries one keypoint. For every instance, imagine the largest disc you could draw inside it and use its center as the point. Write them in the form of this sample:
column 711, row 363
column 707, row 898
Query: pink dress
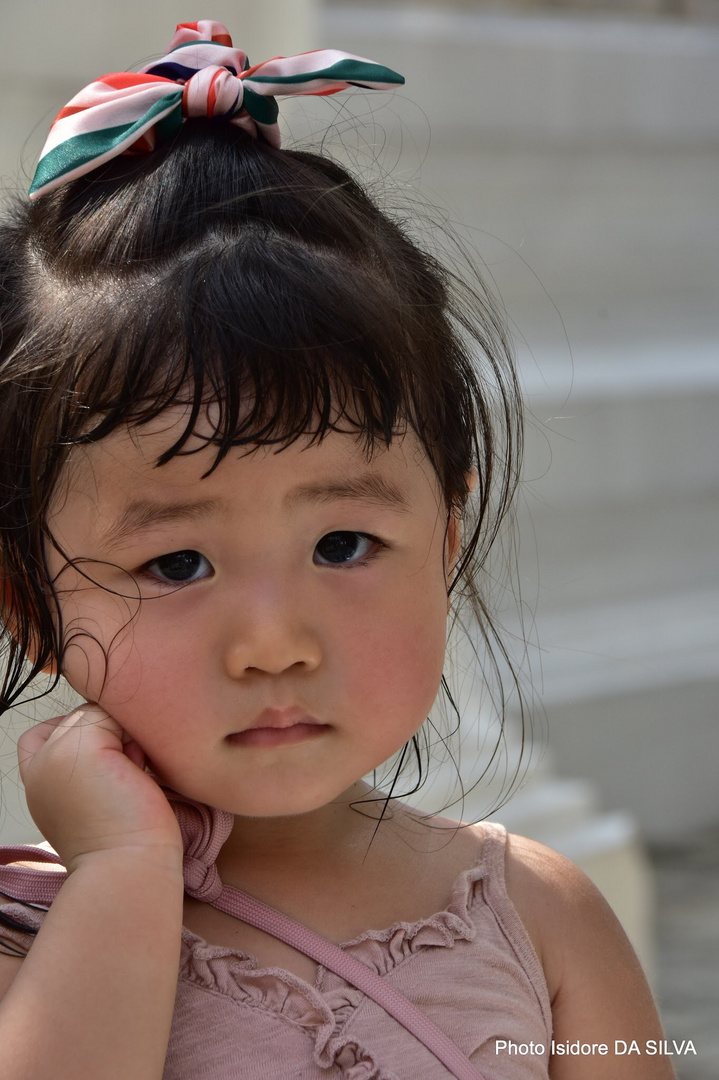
column 471, row 968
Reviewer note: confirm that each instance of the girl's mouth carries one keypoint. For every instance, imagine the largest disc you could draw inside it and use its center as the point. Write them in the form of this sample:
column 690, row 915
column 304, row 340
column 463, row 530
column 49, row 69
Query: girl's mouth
column 279, row 727
column 277, row 736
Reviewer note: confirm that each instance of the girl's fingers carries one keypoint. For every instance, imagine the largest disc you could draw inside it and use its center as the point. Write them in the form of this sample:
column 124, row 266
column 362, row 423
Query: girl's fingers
column 86, row 716
column 49, row 732
column 135, row 753
column 88, row 788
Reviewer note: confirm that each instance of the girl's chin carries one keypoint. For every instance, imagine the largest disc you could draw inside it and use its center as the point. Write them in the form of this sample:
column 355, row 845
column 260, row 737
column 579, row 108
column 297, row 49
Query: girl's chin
column 272, row 801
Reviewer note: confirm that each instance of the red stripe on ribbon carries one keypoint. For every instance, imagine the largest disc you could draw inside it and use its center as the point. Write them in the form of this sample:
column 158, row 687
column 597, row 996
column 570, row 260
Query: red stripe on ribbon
column 212, row 94
column 220, row 39
column 121, row 80
column 69, row 110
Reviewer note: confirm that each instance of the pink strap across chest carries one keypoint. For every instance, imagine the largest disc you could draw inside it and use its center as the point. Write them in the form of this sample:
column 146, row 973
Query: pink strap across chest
column 204, row 831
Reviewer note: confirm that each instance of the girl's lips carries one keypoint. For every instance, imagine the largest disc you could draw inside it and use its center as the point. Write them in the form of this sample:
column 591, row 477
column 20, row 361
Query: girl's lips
column 279, row 727
column 277, row 736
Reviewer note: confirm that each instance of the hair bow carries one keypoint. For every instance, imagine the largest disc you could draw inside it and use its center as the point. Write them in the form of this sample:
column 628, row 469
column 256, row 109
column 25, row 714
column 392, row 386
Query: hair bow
column 201, row 75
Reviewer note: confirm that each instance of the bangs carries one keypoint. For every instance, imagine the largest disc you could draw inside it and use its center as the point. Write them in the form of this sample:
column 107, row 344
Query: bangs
column 267, row 294
column 282, row 339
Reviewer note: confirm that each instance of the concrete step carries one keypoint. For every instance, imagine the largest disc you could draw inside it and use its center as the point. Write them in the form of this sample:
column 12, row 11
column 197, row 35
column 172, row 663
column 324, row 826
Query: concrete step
column 579, row 156
column 544, row 76
column 602, row 650
column 16, row 825
column 629, row 426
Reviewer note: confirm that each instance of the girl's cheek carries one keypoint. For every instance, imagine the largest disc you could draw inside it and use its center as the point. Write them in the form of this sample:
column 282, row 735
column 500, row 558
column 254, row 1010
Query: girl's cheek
column 103, row 676
column 98, row 636
column 399, row 651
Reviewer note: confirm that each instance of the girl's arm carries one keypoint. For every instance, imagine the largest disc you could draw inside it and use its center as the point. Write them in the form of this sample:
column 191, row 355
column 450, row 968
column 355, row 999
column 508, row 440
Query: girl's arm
column 598, row 991
column 94, row 997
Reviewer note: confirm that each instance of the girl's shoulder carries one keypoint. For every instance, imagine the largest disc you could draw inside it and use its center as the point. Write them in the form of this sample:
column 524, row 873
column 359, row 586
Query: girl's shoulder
column 567, row 918
column 598, row 990
column 557, row 902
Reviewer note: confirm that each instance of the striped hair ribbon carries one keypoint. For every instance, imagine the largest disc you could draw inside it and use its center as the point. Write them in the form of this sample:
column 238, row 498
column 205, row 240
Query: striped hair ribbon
column 201, row 75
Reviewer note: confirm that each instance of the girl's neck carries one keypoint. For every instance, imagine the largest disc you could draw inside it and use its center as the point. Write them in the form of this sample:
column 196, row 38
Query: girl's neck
column 340, row 831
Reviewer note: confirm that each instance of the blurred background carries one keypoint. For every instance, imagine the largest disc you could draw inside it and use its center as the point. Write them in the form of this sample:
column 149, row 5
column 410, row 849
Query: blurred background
column 574, row 147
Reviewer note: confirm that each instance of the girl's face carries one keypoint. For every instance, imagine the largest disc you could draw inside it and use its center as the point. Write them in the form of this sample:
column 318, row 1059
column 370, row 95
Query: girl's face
column 290, row 634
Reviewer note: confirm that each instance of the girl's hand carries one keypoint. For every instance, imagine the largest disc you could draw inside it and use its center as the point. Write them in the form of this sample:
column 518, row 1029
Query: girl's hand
column 87, row 788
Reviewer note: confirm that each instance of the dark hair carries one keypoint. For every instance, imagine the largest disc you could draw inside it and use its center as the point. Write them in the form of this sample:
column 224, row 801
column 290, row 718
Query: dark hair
column 220, row 269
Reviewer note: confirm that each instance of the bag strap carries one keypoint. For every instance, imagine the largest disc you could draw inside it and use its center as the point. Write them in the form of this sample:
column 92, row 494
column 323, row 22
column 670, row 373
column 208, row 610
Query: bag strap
column 242, row 906
column 26, row 884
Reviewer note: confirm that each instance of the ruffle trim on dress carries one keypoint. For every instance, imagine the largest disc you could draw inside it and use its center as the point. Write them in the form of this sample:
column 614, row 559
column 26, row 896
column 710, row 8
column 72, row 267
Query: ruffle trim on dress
column 237, row 974
column 326, row 1007
column 353, row 1059
column 275, row 990
column 385, row 950
column 28, row 919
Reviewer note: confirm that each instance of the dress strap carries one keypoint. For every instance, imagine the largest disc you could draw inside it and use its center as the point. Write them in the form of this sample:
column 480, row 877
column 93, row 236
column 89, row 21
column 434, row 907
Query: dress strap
column 242, row 906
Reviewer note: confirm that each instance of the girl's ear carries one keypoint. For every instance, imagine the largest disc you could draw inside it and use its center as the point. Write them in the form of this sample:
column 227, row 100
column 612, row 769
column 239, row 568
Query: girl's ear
column 454, row 527
column 453, row 541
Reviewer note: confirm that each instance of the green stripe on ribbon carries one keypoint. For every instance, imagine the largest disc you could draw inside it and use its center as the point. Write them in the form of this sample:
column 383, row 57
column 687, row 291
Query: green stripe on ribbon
column 341, row 71
column 81, row 149
column 264, row 110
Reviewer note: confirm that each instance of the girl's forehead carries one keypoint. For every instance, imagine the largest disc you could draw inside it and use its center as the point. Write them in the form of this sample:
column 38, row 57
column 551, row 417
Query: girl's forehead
column 124, row 465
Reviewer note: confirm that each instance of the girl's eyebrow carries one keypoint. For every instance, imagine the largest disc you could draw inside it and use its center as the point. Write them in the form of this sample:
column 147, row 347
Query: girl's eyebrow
column 145, row 514
column 370, row 487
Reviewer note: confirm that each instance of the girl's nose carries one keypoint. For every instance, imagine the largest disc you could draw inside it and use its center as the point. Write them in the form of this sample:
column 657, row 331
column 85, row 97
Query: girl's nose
column 270, row 635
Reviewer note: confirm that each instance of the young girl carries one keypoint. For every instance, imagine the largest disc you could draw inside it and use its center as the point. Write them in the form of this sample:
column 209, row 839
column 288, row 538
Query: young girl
column 253, row 453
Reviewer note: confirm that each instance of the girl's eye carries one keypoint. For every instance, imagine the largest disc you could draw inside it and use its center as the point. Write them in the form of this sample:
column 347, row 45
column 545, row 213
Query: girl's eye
column 341, row 548
column 180, row 567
